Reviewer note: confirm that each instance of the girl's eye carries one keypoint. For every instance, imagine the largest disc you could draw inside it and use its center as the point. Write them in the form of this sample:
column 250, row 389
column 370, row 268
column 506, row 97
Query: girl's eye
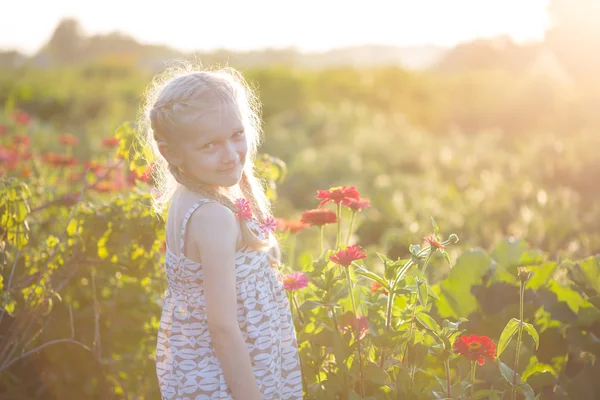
column 209, row 146
column 238, row 134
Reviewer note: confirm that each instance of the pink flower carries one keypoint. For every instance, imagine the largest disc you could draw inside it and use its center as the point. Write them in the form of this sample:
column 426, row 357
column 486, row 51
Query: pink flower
column 348, row 322
column 340, row 194
column 295, row 281
column 243, row 209
column 358, row 204
column 348, row 255
column 269, row 226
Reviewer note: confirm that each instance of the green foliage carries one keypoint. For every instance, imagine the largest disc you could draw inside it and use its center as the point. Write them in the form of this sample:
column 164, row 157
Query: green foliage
column 82, row 250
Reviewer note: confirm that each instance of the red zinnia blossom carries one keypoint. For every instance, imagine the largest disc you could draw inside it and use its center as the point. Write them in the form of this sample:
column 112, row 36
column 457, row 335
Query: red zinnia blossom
column 348, row 322
column 475, row 348
column 105, row 186
column 433, row 242
column 295, row 281
column 21, row 140
column 347, row 255
column 68, row 140
column 243, row 209
column 9, row 157
column 319, row 217
column 295, row 226
column 21, row 117
column 375, row 286
column 60, row 160
column 269, row 225
column 340, row 194
column 110, row 143
column 359, row 204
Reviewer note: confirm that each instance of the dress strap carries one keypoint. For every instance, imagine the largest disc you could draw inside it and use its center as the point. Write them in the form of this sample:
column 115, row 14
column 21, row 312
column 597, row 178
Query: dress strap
column 186, row 219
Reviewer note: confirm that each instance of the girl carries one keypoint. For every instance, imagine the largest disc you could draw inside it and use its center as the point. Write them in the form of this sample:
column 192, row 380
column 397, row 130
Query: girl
column 226, row 329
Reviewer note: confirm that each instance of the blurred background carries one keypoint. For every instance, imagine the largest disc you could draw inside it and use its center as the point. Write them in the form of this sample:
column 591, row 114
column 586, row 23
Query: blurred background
column 480, row 113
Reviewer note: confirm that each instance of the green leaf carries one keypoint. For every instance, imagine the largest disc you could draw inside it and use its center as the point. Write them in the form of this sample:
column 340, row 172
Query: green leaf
column 508, row 375
column 446, row 256
column 533, row 333
column 455, row 295
column 507, row 334
column 427, row 322
column 310, row 305
column 436, row 228
column 377, row 375
column 422, row 292
column 373, row 276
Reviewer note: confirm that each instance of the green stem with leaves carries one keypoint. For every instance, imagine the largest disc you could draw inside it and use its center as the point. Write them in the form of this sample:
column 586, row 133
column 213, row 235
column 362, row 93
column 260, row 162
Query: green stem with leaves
column 414, row 304
column 519, row 337
column 356, row 331
column 388, row 322
column 336, row 325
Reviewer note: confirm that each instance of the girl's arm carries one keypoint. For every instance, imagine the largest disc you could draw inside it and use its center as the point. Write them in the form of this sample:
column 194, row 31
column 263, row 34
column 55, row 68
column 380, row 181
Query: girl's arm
column 213, row 230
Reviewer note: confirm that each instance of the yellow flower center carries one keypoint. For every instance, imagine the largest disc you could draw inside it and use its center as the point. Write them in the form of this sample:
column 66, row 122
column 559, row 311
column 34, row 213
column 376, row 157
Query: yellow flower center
column 474, row 346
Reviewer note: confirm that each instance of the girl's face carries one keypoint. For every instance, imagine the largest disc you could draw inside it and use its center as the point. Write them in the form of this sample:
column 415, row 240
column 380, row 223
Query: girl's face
column 216, row 154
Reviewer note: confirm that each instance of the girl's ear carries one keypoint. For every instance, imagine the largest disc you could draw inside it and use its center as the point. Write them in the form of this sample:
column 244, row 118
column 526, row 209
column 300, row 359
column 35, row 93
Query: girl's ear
column 170, row 154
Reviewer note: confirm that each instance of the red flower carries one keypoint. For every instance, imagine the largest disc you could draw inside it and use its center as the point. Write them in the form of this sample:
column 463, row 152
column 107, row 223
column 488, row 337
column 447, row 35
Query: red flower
column 243, row 209
column 110, row 143
column 346, row 256
column 433, row 242
column 105, row 186
column 340, row 194
column 60, row 160
column 9, row 157
column 359, row 204
column 68, row 140
column 475, row 348
column 295, row 226
column 21, row 140
column 21, row 118
column 295, row 281
column 3, row 130
column 319, row 217
column 348, row 322
column 269, row 225
column 375, row 286
column 95, row 167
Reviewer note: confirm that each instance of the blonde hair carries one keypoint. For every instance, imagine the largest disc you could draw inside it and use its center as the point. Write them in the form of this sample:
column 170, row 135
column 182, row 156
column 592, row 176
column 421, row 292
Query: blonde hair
column 173, row 101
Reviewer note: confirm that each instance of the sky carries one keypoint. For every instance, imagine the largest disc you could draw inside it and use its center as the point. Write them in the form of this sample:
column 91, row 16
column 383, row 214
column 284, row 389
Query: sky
column 307, row 25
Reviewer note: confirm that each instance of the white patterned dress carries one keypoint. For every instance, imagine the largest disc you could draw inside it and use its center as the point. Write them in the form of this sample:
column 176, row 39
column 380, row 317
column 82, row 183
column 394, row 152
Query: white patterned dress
column 186, row 363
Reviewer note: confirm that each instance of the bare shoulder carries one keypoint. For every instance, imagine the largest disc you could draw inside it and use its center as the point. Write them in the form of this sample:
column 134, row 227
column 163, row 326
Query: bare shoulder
column 212, row 228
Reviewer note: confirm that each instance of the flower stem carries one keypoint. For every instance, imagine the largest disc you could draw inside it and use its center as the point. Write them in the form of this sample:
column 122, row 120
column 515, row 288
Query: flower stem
column 448, row 380
column 320, row 240
column 350, row 228
column 297, row 309
column 519, row 337
column 292, row 253
column 336, row 324
column 338, row 238
column 357, row 332
column 388, row 322
column 473, row 367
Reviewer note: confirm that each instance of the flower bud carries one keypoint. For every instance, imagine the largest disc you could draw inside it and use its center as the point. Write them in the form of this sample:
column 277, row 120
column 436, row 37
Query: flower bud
column 524, row 274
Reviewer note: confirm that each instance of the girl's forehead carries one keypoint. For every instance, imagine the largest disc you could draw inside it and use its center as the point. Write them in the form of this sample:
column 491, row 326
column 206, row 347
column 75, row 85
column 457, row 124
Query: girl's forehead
column 222, row 120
